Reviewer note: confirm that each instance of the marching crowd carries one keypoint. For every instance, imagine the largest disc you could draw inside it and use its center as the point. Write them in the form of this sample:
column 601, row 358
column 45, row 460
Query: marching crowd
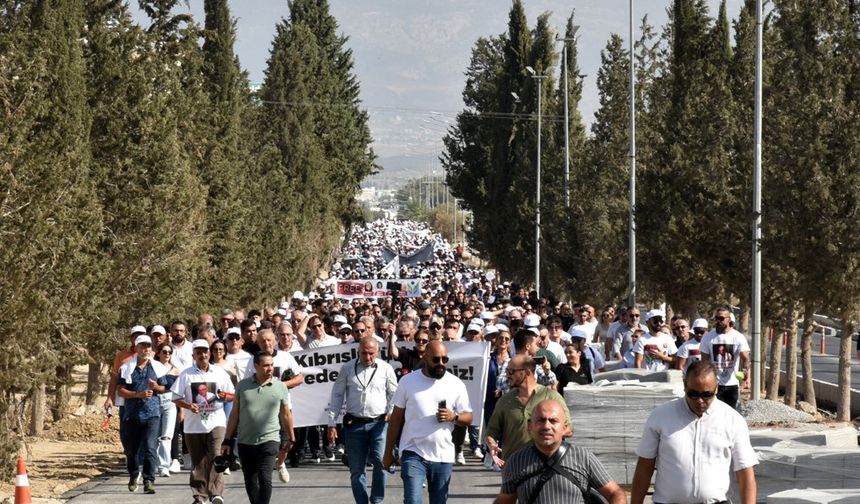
column 222, row 387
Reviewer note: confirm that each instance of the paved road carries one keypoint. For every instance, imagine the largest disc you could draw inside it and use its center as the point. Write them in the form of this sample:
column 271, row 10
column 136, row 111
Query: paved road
column 326, row 483
column 825, row 366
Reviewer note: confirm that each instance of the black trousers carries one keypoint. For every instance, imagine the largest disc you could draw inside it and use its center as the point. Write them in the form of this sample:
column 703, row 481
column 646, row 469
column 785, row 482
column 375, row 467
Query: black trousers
column 729, row 394
column 258, row 462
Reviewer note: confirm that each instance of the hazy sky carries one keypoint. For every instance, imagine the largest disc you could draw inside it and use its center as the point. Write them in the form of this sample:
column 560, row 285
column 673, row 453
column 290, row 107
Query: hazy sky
column 410, row 54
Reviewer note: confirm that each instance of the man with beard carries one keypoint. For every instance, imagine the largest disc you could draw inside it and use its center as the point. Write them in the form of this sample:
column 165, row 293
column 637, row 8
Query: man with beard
column 514, row 408
column 427, row 405
column 727, row 348
column 182, row 358
column 550, row 470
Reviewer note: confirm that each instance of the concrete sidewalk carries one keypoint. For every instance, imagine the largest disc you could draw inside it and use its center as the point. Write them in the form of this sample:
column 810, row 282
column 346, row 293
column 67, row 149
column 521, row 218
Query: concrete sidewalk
column 326, row 483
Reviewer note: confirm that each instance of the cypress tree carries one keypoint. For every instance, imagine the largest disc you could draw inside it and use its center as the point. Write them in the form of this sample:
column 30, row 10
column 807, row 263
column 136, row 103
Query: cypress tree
column 50, row 215
column 224, row 164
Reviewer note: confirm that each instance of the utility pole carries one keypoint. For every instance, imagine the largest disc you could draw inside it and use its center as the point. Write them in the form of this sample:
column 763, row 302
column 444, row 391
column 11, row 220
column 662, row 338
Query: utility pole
column 631, row 224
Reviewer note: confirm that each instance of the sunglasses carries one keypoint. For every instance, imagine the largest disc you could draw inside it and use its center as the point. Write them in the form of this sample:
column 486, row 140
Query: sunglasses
column 316, row 326
column 719, row 319
column 168, row 352
column 633, row 315
column 422, row 342
column 442, row 360
column 696, row 394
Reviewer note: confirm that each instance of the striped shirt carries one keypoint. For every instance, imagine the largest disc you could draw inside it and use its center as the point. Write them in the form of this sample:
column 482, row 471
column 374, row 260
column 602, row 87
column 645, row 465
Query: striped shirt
column 526, row 466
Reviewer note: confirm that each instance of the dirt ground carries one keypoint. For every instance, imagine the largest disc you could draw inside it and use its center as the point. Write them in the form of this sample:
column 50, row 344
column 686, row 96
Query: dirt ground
column 71, row 452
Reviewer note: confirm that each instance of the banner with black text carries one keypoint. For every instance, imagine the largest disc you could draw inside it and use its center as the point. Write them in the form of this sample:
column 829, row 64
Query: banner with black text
column 468, row 361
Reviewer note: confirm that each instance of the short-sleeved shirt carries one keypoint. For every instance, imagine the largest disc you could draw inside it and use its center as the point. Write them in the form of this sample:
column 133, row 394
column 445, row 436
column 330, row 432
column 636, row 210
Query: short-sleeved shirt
column 664, row 343
column 510, row 418
column 136, row 379
column 690, row 351
column 622, row 340
column 695, row 454
column 422, row 433
column 522, row 472
column 725, row 351
column 259, row 406
column 201, row 387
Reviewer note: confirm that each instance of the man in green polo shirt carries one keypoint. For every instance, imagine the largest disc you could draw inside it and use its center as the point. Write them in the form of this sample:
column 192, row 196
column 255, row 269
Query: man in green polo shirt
column 261, row 410
column 507, row 431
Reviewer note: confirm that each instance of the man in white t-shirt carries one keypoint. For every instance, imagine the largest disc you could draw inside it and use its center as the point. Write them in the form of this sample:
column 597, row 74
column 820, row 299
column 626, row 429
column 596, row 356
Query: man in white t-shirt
column 233, row 341
column 728, row 350
column 427, row 405
column 202, row 389
column 694, row 442
column 655, row 350
column 689, row 352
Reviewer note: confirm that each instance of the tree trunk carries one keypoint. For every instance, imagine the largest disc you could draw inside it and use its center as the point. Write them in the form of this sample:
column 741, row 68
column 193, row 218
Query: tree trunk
column 775, row 363
column 37, row 412
column 806, row 354
column 62, row 392
column 94, row 372
column 843, row 406
column 791, row 359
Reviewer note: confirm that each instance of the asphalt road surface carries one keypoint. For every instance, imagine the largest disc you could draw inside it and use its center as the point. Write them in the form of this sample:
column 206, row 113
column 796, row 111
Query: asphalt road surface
column 326, row 483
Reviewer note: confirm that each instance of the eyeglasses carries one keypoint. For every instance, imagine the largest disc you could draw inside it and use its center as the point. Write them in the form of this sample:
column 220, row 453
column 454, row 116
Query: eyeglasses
column 422, row 341
column 316, row 326
column 511, row 371
column 696, row 394
column 443, row 360
column 680, row 326
column 218, row 350
column 633, row 315
column 719, row 318
column 166, row 352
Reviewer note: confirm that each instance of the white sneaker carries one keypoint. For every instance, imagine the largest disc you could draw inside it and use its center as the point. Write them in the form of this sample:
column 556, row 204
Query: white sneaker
column 217, row 499
column 283, row 474
column 139, row 478
column 461, row 459
column 225, row 473
column 174, row 466
column 164, row 473
column 478, row 453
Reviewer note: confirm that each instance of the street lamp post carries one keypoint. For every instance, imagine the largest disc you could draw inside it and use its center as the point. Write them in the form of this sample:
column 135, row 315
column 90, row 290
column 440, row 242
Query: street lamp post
column 564, row 41
column 538, row 79
column 631, row 224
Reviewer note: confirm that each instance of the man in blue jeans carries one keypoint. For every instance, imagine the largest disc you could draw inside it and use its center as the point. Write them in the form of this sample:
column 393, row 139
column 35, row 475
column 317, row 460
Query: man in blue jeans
column 427, row 406
column 366, row 387
column 140, row 379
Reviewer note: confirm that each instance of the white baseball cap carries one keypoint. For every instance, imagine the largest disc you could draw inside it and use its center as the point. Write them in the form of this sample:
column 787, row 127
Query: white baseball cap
column 531, row 320
column 700, row 323
column 490, row 329
column 199, row 343
column 138, row 329
column 578, row 332
column 158, row 330
column 143, row 339
column 655, row 313
column 474, row 328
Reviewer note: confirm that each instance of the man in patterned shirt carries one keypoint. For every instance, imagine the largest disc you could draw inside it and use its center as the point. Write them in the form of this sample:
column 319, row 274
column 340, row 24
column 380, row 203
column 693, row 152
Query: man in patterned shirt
column 551, row 471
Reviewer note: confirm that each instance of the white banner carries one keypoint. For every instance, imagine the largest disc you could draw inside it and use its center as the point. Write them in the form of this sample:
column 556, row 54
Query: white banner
column 468, row 361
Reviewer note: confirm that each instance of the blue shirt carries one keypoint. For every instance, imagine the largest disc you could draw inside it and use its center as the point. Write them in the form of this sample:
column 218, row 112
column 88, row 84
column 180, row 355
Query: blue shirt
column 142, row 409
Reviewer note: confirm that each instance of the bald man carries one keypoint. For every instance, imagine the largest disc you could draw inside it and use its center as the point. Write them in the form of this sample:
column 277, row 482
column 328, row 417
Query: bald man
column 551, row 471
column 427, row 406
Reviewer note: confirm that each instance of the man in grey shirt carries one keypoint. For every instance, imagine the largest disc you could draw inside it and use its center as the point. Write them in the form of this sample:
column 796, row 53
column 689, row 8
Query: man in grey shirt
column 622, row 340
column 551, row 471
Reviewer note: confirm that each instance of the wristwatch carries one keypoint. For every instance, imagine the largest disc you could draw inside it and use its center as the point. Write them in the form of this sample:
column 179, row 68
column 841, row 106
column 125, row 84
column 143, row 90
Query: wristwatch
column 456, row 418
